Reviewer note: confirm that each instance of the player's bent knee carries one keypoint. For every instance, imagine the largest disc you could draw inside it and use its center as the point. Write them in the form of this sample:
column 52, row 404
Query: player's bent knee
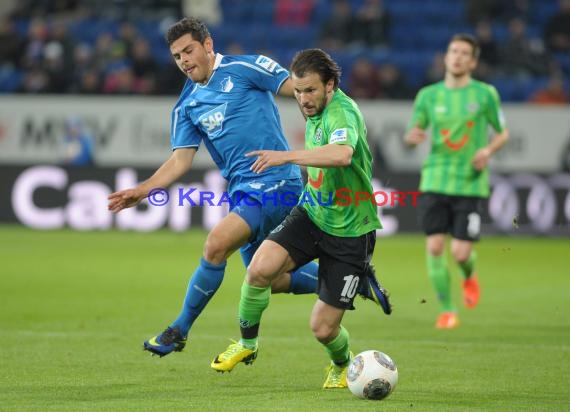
column 436, row 245
column 259, row 274
column 215, row 251
column 461, row 257
column 460, row 254
column 322, row 331
column 436, row 249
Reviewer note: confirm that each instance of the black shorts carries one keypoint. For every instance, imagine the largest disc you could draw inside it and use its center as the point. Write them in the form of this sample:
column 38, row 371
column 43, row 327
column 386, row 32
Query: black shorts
column 342, row 260
column 458, row 215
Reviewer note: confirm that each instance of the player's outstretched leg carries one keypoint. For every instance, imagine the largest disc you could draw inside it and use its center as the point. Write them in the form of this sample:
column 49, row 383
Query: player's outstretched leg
column 370, row 288
column 171, row 340
column 203, row 284
column 234, row 354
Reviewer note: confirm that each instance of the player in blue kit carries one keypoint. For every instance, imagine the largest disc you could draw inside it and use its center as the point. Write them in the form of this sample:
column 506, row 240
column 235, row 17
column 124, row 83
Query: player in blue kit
column 227, row 105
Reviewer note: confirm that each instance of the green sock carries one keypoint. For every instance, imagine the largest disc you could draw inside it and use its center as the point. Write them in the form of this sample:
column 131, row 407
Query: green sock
column 337, row 349
column 439, row 277
column 468, row 266
column 252, row 303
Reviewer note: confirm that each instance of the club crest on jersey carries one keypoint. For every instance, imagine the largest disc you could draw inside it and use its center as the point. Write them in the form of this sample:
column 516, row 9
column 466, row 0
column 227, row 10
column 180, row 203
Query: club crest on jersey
column 227, row 84
column 318, row 136
column 266, row 63
column 213, row 120
column 339, row 135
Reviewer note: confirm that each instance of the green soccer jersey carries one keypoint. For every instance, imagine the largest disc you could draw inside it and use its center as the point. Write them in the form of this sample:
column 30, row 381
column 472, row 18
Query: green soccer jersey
column 459, row 119
column 341, row 122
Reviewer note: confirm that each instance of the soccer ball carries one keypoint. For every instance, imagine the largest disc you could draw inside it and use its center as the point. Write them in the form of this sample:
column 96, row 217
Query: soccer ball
column 372, row 375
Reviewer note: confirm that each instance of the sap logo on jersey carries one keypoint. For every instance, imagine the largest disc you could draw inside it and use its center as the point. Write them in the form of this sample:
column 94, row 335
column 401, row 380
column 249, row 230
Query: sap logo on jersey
column 213, row 120
column 266, row 63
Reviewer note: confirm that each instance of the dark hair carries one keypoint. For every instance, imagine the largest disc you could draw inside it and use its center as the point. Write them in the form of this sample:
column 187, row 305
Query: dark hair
column 316, row 61
column 188, row 25
column 468, row 38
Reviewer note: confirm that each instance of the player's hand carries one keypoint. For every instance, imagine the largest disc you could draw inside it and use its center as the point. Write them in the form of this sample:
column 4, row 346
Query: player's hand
column 123, row 200
column 415, row 136
column 481, row 159
column 266, row 159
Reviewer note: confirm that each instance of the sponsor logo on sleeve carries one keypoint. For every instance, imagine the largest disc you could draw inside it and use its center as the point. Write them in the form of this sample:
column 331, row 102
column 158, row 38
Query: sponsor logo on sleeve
column 339, row 135
column 266, row 63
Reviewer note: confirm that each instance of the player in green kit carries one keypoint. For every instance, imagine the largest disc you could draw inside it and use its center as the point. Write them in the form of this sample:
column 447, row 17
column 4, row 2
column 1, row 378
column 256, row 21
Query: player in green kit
column 455, row 176
column 342, row 236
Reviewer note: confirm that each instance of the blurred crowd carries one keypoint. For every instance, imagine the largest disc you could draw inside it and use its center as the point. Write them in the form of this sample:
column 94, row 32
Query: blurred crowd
column 38, row 47
column 117, row 46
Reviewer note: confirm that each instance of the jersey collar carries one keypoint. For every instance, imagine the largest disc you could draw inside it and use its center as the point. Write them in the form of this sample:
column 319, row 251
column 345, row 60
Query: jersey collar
column 218, row 61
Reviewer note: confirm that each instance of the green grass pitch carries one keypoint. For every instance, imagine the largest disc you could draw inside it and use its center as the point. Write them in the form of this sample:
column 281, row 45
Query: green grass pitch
column 76, row 307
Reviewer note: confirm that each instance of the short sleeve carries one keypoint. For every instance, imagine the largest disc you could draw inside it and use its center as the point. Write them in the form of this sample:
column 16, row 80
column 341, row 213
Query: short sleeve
column 264, row 73
column 183, row 133
column 493, row 112
column 420, row 114
column 342, row 127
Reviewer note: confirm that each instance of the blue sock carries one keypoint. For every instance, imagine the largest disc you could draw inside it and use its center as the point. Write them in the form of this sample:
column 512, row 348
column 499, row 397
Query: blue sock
column 304, row 279
column 204, row 283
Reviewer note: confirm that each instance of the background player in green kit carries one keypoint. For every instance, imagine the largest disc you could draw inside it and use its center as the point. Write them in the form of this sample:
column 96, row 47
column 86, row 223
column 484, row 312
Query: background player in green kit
column 455, row 176
column 341, row 237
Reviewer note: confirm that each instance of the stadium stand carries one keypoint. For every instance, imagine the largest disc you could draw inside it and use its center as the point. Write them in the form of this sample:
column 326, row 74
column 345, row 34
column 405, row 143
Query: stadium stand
column 418, row 30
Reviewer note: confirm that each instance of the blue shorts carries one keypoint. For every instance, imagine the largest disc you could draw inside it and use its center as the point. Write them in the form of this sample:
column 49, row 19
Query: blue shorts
column 263, row 210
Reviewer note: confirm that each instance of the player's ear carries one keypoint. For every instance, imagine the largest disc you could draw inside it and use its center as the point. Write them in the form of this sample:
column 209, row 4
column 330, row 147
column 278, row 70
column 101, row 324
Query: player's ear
column 445, row 58
column 209, row 44
column 330, row 86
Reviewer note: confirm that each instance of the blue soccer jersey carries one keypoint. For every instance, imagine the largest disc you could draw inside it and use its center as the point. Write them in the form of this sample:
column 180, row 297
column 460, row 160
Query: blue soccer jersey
column 233, row 114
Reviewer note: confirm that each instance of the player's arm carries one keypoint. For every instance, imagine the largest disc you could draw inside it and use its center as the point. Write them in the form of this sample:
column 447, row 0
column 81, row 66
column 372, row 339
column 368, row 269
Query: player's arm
column 286, row 88
column 495, row 117
column 482, row 156
column 416, row 133
column 330, row 155
column 415, row 136
column 179, row 163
